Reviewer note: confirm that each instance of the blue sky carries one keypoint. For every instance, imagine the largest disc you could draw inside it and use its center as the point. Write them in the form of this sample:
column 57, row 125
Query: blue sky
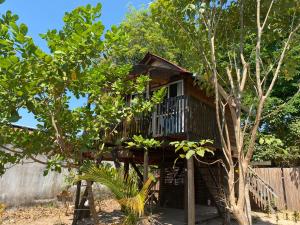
column 41, row 15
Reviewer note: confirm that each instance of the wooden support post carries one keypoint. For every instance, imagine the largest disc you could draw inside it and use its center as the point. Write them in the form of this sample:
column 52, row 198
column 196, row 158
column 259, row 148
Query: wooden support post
column 92, row 202
column 126, row 170
column 146, row 165
column 161, row 183
column 185, row 196
column 191, row 191
column 138, row 173
column 84, row 211
column 77, row 200
column 114, row 154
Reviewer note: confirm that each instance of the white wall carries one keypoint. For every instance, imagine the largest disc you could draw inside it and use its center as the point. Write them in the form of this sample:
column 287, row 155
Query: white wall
column 25, row 184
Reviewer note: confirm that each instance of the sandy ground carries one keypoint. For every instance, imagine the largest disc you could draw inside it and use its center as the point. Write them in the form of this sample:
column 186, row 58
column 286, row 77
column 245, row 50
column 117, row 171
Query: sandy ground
column 37, row 215
column 109, row 214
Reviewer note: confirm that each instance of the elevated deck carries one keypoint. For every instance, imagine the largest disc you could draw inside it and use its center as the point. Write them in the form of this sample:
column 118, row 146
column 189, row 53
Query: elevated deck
column 176, row 118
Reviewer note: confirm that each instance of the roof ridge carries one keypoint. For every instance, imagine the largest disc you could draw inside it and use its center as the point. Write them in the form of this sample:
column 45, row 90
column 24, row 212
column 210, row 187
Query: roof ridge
column 148, row 55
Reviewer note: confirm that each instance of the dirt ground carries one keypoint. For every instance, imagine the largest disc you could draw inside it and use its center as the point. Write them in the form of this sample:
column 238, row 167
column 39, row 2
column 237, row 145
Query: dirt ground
column 109, row 214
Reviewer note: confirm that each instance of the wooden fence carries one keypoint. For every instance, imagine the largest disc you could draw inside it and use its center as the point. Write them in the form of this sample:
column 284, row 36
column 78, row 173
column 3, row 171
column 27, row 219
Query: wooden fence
column 286, row 184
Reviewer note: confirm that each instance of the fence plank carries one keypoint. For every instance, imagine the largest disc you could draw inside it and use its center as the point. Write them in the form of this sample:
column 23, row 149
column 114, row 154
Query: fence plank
column 273, row 176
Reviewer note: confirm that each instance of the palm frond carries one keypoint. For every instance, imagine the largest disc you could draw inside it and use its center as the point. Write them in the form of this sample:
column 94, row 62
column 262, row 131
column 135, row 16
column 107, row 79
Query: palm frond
column 126, row 190
column 137, row 203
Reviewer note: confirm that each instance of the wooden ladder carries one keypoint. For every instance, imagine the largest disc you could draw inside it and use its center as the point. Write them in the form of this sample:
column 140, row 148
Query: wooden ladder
column 261, row 192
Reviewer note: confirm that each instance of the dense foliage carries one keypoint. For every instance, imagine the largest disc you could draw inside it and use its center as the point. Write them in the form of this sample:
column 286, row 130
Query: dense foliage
column 175, row 24
column 45, row 84
column 281, row 125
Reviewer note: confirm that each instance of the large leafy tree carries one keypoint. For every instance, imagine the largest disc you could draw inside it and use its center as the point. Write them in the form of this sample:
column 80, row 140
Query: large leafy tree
column 279, row 138
column 45, row 84
column 242, row 48
column 144, row 34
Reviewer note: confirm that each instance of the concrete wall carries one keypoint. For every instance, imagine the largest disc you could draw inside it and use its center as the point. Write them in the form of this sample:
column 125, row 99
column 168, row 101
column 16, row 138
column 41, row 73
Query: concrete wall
column 25, row 184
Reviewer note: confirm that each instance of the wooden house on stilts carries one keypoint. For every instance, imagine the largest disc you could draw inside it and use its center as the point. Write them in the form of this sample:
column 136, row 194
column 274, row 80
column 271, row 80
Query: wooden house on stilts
column 186, row 113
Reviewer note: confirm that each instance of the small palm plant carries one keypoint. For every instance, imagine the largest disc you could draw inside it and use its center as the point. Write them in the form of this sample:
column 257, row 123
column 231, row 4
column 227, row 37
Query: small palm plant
column 125, row 190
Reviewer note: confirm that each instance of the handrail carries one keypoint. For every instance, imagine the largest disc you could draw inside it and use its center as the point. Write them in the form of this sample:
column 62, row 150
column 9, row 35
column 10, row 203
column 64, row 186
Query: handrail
column 175, row 116
column 270, row 189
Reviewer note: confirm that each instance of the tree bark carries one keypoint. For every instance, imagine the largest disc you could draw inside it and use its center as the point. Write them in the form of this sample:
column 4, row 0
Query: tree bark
column 248, row 205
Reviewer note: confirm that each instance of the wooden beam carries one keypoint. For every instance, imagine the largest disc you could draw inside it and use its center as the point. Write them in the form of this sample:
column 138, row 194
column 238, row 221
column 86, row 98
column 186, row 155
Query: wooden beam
column 191, row 191
column 140, row 175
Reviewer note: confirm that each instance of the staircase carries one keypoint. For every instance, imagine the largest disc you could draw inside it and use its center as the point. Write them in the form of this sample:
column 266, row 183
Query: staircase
column 213, row 185
column 261, row 192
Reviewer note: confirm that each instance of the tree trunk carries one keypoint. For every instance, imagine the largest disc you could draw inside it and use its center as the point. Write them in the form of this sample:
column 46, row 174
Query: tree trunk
column 248, row 205
column 226, row 220
column 240, row 216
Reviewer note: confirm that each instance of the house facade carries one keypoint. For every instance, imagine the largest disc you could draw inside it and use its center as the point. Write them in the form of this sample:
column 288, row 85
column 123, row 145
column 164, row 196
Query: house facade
column 186, row 113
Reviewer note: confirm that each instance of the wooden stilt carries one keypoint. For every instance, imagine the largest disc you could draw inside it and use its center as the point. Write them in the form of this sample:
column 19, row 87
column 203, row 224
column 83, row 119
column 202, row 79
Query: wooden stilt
column 92, row 202
column 186, row 196
column 114, row 154
column 77, row 200
column 140, row 175
column 83, row 211
column 126, row 170
column 191, row 191
column 146, row 165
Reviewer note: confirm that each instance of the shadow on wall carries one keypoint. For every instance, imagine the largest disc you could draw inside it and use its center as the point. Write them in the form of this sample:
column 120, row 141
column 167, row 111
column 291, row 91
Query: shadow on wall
column 295, row 176
column 25, row 184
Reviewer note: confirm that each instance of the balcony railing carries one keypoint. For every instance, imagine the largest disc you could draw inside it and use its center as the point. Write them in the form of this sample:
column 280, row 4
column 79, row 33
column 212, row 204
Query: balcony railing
column 182, row 115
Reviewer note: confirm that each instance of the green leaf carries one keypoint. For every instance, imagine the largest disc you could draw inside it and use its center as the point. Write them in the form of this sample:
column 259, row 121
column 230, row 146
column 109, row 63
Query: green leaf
column 23, row 29
column 185, row 148
column 200, row 152
column 189, row 154
column 261, row 141
column 182, row 156
column 59, row 52
column 14, row 117
column 45, row 173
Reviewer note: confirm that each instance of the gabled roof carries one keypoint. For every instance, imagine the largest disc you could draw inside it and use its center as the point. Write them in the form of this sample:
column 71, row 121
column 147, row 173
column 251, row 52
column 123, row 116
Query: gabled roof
column 153, row 64
column 150, row 58
column 23, row 127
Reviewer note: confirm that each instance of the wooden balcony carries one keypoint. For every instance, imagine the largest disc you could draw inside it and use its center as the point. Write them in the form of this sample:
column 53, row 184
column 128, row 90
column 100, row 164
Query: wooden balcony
column 182, row 117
